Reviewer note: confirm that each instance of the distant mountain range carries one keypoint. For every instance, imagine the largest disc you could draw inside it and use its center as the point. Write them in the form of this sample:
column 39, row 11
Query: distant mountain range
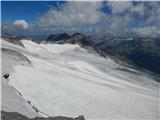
column 136, row 51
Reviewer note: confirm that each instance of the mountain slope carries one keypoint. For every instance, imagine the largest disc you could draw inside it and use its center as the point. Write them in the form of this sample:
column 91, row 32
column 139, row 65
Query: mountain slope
column 136, row 51
column 67, row 80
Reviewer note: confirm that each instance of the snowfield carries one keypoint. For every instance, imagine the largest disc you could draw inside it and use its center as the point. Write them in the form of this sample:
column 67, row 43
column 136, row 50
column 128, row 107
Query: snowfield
column 66, row 80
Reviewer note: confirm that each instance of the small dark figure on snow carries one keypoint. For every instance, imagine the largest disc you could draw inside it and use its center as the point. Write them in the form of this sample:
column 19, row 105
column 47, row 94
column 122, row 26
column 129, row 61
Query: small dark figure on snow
column 6, row 75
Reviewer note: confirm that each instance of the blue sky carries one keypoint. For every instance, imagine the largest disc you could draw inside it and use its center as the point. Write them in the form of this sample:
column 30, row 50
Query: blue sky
column 114, row 18
column 28, row 10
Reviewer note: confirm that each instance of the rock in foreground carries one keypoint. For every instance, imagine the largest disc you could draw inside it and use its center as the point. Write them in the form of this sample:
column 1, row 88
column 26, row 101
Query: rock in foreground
column 17, row 116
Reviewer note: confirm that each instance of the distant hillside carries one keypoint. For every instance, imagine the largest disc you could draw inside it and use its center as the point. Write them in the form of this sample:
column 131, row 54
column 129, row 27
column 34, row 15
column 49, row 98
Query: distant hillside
column 143, row 52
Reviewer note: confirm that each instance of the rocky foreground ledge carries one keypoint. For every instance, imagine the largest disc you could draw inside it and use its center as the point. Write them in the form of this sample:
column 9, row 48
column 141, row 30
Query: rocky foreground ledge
column 17, row 116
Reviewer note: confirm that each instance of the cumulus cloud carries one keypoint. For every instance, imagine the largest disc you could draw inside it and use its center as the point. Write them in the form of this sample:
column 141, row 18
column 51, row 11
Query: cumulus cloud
column 135, row 14
column 80, row 16
column 119, row 6
column 154, row 13
column 119, row 23
column 138, row 9
column 73, row 13
column 82, row 13
column 21, row 23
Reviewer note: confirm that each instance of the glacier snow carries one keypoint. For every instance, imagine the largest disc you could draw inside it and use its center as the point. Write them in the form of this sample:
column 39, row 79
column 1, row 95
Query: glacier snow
column 66, row 80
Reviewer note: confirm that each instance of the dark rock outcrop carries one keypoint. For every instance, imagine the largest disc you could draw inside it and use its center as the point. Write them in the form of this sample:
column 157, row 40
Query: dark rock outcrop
column 83, row 41
column 80, row 39
column 58, row 37
column 12, row 39
column 17, row 116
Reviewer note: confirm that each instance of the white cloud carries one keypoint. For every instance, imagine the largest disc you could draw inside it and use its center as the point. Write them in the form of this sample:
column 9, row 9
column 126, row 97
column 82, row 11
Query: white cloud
column 119, row 23
column 76, row 17
column 150, row 31
column 73, row 13
column 154, row 13
column 21, row 23
column 138, row 9
column 119, row 6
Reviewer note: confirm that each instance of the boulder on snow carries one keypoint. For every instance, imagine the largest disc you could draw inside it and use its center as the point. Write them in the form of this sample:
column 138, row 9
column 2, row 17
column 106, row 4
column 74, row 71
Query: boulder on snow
column 6, row 75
